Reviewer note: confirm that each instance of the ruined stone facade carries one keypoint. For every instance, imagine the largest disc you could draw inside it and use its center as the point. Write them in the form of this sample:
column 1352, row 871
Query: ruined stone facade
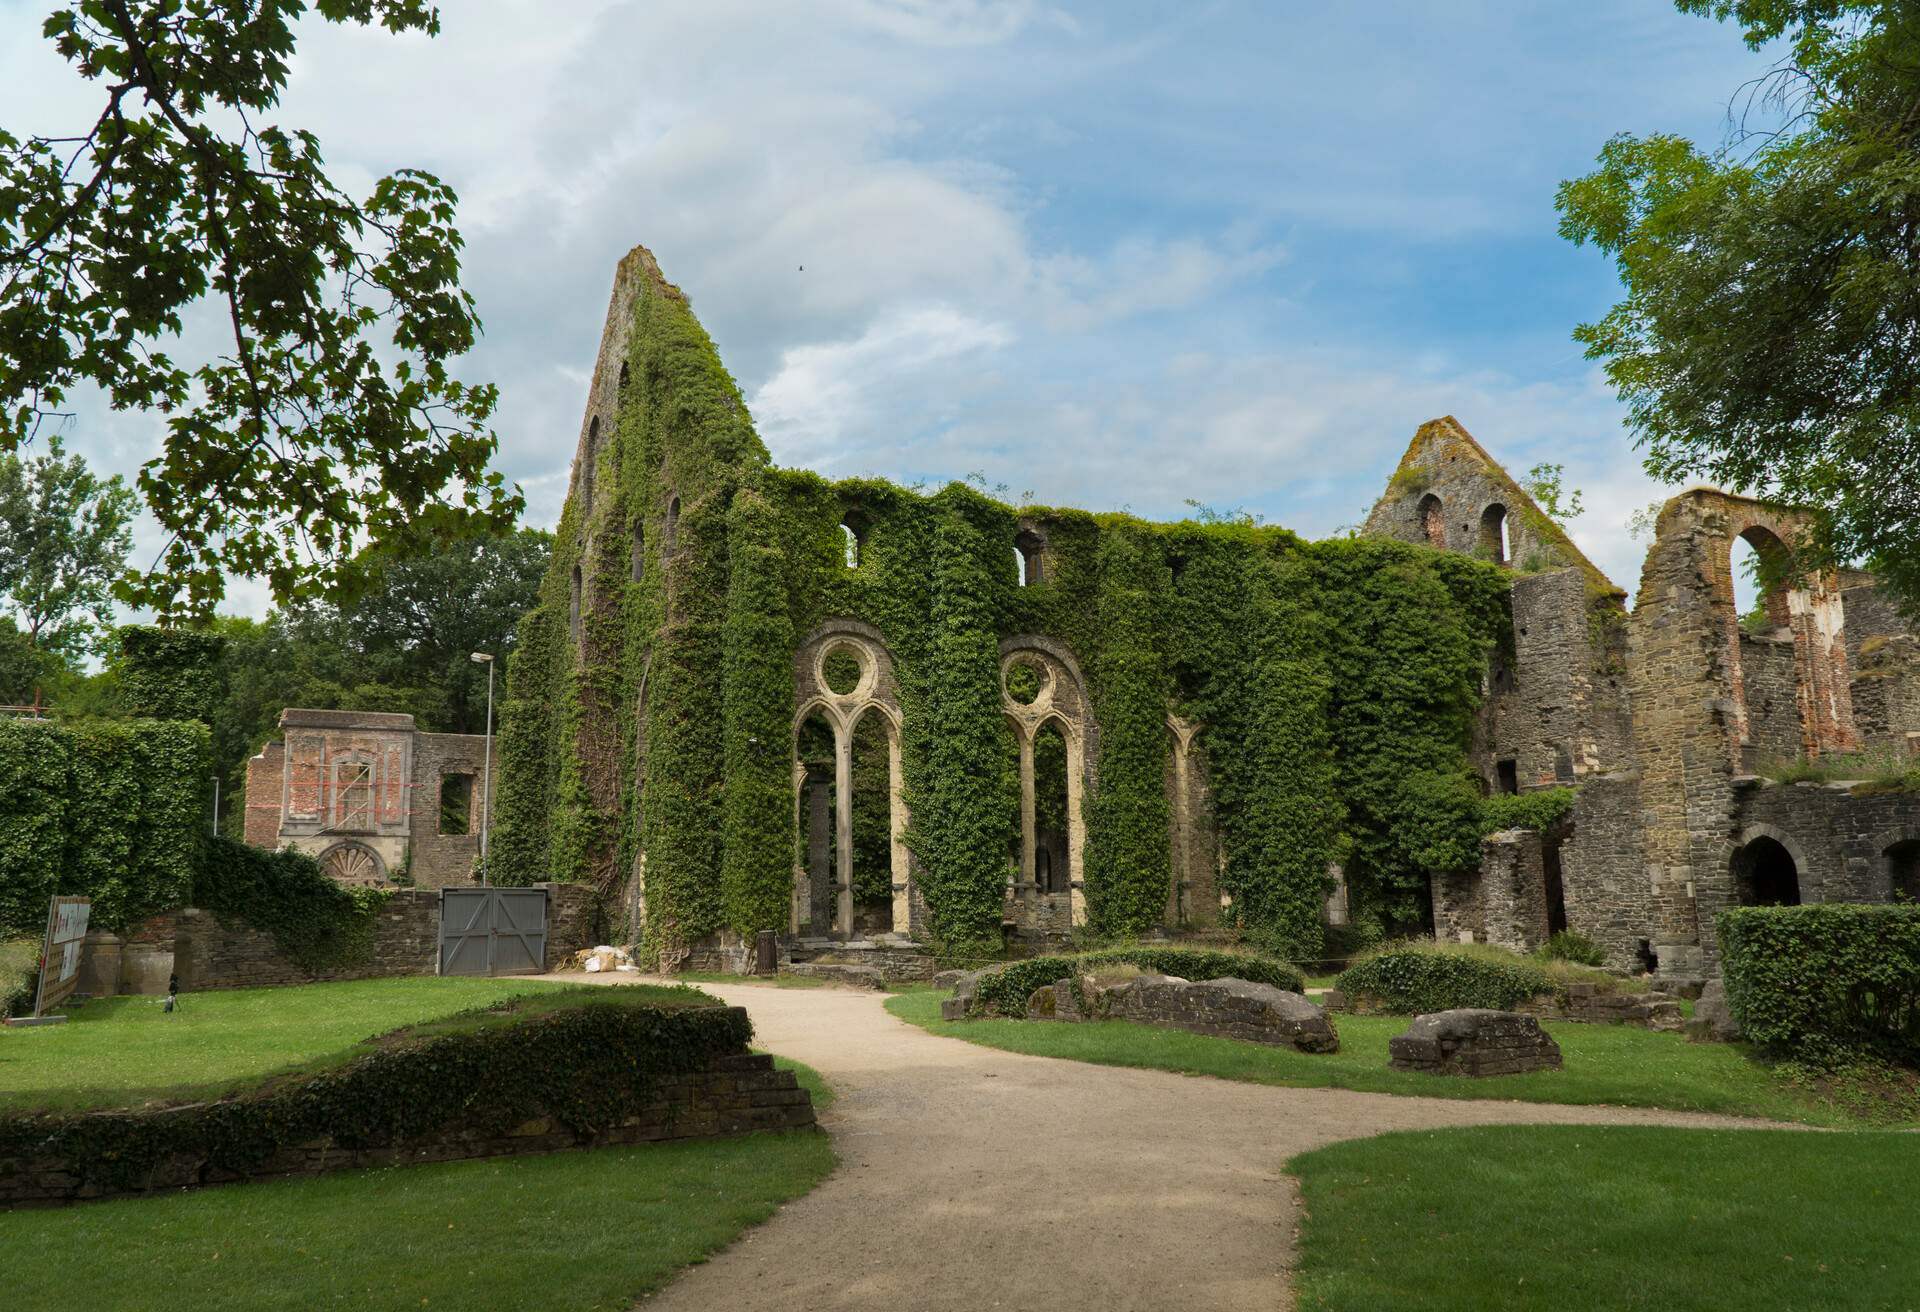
column 1154, row 703
column 1664, row 717
column 374, row 799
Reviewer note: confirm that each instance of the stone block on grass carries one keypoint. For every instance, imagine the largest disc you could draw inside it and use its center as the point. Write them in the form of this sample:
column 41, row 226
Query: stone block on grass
column 1473, row 1041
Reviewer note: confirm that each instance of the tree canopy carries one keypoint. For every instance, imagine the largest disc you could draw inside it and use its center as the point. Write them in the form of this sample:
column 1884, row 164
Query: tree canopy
column 330, row 415
column 64, row 537
column 1769, row 339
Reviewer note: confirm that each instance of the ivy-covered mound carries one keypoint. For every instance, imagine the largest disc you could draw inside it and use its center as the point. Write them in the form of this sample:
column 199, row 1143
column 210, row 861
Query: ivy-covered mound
column 1411, row 980
column 1826, row 984
column 648, row 727
column 317, row 921
column 1004, row 992
column 113, row 810
column 585, row 1061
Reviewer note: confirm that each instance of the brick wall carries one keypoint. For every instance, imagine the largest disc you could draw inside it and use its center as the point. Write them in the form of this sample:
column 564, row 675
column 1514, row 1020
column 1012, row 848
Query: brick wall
column 262, row 801
column 436, row 860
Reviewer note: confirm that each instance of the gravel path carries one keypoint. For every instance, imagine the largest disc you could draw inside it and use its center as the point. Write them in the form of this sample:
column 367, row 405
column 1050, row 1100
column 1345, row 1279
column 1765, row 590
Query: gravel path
column 972, row 1178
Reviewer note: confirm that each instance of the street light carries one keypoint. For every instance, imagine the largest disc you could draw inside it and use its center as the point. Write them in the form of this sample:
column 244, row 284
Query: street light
column 486, row 785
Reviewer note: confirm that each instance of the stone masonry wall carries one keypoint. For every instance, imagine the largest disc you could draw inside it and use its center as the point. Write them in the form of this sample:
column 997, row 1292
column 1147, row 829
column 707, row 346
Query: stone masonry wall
column 1559, row 710
column 1773, row 706
column 208, row 954
column 1604, row 868
column 737, row 1094
column 1838, row 838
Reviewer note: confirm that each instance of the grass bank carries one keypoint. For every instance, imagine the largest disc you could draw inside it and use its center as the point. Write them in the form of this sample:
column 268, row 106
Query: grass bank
column 1591, row 1219
column 1605, row 1064
column 126, row 1051
column 582, row 1230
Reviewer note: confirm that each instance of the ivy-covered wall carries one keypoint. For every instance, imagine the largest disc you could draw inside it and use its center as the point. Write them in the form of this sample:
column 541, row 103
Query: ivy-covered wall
column 112, row 810
column 649, row 708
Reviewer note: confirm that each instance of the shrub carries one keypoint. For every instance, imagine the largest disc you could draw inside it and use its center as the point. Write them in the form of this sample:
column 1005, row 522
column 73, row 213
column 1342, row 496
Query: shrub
column 1825, row 984
column 586, row 1066
column 1007, row 989
column 1413, row 978
column 1577, row 948
column 319, row 923
column 19, row 975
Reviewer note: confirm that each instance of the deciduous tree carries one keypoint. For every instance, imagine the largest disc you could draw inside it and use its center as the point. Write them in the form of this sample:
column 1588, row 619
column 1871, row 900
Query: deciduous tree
column 1769, row 338
column 330, row 414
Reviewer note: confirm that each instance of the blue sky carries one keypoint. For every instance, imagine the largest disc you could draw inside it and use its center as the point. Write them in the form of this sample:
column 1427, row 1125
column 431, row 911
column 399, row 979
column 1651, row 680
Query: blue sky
column 1117, row 255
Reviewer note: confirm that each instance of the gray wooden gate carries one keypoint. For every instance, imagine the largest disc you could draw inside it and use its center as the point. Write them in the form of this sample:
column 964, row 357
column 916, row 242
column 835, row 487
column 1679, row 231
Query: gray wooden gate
column 493, row 931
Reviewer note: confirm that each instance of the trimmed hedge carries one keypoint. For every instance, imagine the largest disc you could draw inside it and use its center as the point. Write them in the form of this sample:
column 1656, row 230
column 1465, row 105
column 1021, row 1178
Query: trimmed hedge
column 1827, row 983
column 1412, row 981
column 112, row 810
column 586, row 1066
column 319, row 923
column 1007, row 989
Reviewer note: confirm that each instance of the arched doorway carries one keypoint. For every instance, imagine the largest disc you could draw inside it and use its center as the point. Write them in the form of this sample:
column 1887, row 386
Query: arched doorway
column 1903, row 870
column 813, row 751
column 1764, row 874
column 1494, row 544
column 1433, row 521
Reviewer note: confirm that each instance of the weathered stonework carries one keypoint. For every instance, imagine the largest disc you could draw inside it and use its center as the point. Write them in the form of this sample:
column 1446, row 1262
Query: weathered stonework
column 207, row 953
column 1472, row 1041
column 1224, row 1008
column 1660, row 716
column 361, row 791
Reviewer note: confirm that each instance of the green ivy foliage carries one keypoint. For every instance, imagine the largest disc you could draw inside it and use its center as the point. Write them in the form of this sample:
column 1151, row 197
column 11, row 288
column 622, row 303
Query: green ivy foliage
column 319, row 923
column 1333, row 683
column 1540, row 810
column 1412, row 982
column 171, row 673
column 1005, row 991
column 757, row 677
column 585, row 1066
column 112, row 810
column 1825, row 984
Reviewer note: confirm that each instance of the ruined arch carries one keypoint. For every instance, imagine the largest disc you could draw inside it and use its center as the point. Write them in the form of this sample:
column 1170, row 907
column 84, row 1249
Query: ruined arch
column 1900, row 865
column 875, row 691
column 1767, row 870
column 1803, row 604
column 1030, row 556
column 1058, row 702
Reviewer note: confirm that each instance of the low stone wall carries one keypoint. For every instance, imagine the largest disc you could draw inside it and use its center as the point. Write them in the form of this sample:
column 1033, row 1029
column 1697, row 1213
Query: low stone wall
column 736, row 1094
column 208, row 953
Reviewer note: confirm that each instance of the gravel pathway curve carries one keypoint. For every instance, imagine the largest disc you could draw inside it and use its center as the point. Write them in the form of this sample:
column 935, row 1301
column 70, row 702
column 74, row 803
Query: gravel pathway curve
column 972, row 1178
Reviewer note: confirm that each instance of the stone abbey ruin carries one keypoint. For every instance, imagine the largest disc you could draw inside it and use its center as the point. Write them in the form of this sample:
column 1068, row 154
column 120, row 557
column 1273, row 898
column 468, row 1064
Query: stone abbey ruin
column 755, row 699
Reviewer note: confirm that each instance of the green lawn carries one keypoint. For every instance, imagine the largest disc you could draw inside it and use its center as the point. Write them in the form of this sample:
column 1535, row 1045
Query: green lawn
column 116, row 1051
column 1614, row 1064
column 1570, row 1218
column 574, row 1230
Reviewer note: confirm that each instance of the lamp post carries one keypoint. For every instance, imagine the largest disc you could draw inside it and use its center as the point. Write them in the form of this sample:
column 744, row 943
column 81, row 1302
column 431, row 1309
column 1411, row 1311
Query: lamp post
column 486, row 784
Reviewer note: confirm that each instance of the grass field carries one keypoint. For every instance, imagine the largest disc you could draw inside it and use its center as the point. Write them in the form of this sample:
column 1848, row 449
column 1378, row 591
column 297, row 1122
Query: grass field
column 120, row 1051
column 1606, row 1064
column 1587, row 1219
column 575, row 1230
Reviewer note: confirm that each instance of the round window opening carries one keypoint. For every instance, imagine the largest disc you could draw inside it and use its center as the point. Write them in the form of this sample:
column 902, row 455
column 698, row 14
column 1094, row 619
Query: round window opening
column 841, row 670
column 1025, row 679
